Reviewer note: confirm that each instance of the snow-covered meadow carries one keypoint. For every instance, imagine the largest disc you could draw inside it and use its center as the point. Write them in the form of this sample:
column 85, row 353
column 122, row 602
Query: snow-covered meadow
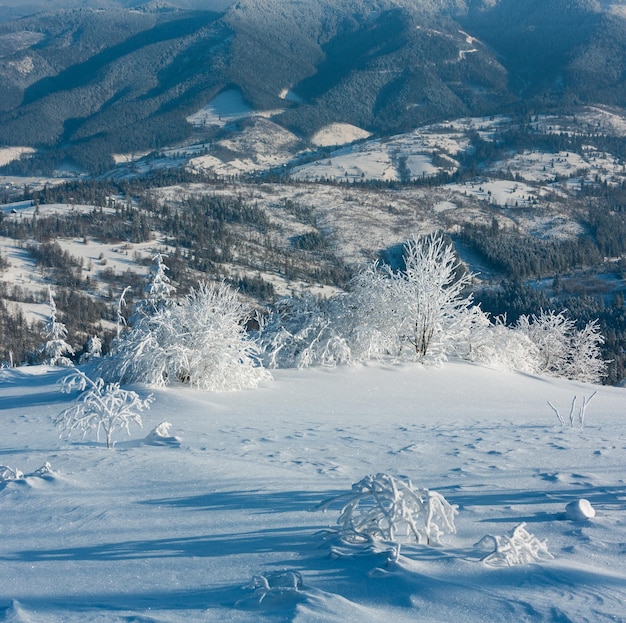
column 216, row 520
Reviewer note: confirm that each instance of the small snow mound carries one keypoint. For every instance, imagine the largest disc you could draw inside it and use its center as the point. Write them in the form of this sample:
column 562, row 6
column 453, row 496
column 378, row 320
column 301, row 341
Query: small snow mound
column 580, row 510
column 160, row 436
column 357, row 545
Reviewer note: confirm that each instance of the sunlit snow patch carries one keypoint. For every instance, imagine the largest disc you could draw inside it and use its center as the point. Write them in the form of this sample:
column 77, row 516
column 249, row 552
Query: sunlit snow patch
column 338, row 134
column 290, row 96
column 224, row 108
column 8, row 154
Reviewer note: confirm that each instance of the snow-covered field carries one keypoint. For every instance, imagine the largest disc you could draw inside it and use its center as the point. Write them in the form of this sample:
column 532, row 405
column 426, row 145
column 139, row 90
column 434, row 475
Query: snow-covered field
column 97, row 257
column 220, row 525
column 8, row 154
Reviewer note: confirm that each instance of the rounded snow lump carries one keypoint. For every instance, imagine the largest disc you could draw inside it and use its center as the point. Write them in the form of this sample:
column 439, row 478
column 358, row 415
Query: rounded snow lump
column 579, row 510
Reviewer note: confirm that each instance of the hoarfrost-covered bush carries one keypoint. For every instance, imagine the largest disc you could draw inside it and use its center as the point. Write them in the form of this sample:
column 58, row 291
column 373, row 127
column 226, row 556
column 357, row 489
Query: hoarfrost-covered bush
column 495, row 344
column 424, row 313
column 93, row 349
column 306, row 331
column 100, row 408
column 200, row 340
column 10, row 473
column 275, row 587
column 562, row 349
column 392, row 509
column 519, row 547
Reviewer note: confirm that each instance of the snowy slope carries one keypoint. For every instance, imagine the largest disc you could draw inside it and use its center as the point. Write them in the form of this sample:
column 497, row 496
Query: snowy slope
column 178, row 531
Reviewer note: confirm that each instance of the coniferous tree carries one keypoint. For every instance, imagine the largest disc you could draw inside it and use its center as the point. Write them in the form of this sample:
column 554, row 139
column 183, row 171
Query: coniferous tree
column 55, row 351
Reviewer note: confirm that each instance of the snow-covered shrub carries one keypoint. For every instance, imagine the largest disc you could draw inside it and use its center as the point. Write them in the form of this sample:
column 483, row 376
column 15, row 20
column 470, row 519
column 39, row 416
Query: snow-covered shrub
column 391, row 509
column 45, row 471
column 519, row 547
column 495, row 344
column 55, row 351
column 213, row 350
column 101, row 407
column 200, row 340
column 420, row 312
column 93, row 349
column 562, row 349
column 585, row 361
column 305, row 331
column 8, row 474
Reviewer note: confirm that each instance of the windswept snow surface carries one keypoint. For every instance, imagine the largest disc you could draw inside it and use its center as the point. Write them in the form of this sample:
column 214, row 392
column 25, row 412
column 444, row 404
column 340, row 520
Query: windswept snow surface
column 222, row 525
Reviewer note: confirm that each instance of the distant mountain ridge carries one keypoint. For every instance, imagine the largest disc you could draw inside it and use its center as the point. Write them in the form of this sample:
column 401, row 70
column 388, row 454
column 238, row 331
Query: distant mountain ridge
column 82, row 84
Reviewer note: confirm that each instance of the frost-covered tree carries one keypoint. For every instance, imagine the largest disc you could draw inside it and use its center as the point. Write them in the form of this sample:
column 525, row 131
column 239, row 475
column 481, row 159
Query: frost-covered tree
column 211, row 348
column 120, row 319
column 585, row 361
column 93, row 349
column 55, row 351
column 160, row 289
column 422, row 311
column 101, row 408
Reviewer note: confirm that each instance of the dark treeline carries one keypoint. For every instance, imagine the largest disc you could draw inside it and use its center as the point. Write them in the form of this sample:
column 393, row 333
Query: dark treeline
column 521, row 256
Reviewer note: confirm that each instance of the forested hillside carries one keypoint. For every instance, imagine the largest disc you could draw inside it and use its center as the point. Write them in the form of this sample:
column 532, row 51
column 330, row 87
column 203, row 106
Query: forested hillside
column 124, row 102
column 82, row 85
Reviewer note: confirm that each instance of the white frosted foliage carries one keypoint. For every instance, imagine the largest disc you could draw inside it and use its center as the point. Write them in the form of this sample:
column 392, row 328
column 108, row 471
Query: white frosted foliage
column 102, row 408
column 200, row 340
column 392, row 509
column 519, row 547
